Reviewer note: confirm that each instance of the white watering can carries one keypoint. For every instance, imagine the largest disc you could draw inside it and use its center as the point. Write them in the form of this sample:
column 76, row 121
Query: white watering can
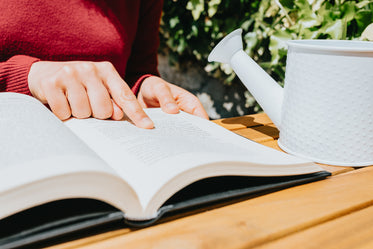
column 325, row 111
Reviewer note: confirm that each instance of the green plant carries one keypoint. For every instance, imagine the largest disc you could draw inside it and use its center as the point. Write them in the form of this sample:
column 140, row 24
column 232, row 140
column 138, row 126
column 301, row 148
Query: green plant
column 191, row 28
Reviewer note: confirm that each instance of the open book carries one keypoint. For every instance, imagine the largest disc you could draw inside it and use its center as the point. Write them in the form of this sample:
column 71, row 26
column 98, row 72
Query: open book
column 135, row 171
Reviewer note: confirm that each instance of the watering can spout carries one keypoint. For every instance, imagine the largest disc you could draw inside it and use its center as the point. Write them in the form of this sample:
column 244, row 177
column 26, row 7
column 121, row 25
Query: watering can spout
column 267, row 92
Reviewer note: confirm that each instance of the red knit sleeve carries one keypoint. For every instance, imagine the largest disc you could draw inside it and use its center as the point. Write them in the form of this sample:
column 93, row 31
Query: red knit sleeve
column 143, row 61
column 14, row 74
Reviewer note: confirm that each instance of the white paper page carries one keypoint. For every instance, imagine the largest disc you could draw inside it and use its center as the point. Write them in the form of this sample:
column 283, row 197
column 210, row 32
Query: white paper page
column 148, row 158
column 32, row 138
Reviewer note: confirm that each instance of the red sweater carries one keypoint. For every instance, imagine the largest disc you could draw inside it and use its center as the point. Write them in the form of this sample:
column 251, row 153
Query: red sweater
column 124, row 32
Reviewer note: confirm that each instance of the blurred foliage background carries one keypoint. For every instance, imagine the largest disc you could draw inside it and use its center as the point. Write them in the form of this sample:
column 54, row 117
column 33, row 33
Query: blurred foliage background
column 191, row 28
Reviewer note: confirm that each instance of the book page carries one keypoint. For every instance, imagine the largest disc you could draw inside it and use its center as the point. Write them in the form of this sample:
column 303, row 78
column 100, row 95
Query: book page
column 149, row 158
column 35, row 144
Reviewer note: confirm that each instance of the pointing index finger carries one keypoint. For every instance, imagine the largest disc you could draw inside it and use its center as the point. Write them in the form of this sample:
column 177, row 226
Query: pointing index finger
column 124, row 97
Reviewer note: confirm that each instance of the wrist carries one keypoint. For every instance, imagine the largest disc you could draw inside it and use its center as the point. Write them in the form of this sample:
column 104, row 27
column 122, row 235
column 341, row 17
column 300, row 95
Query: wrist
column 18, row 70
column 139, row 82
column 32, row 77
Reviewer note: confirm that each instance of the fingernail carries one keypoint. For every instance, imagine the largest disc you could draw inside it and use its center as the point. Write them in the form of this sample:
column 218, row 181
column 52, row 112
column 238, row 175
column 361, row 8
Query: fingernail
column 147, row 123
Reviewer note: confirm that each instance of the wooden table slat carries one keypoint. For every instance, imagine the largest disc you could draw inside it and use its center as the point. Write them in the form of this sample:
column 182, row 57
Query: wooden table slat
column 358, row 226
column 259, row 134
column 244, row 121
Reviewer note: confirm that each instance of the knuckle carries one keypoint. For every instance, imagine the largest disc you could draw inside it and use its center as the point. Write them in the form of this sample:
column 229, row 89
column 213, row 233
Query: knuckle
column 62, row 114
column 59, row 78
column 138, row 113
column 125, row 98
column 160, row 87
column 107, row 65
column 67, row 70
column 102, row 106
column 87, row 67
column 51, row 83
column 82, row 114
column 135, row 113
column 104, row 113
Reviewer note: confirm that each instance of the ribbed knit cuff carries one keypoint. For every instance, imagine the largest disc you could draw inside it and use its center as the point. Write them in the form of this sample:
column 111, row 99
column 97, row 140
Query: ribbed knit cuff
column 136, row 86
column 16, row 70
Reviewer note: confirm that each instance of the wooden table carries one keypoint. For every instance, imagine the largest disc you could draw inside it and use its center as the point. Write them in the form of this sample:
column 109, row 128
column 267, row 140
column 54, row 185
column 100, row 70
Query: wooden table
column 333, row 213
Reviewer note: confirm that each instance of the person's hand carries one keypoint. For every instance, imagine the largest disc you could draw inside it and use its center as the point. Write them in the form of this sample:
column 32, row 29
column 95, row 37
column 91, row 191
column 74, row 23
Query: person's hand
column 156, row 92
column 83, row 89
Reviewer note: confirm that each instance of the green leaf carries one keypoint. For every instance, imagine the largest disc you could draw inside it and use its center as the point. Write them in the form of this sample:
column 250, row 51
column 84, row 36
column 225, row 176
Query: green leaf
column 174, row 21
column 335, row 29
column 363, row 19
column 213, row 6
column 362, row 4
column 196, row 7
column 348, row 9
column 289, row 4
column 251, row 41
column 310, row 34
column 277, row 42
